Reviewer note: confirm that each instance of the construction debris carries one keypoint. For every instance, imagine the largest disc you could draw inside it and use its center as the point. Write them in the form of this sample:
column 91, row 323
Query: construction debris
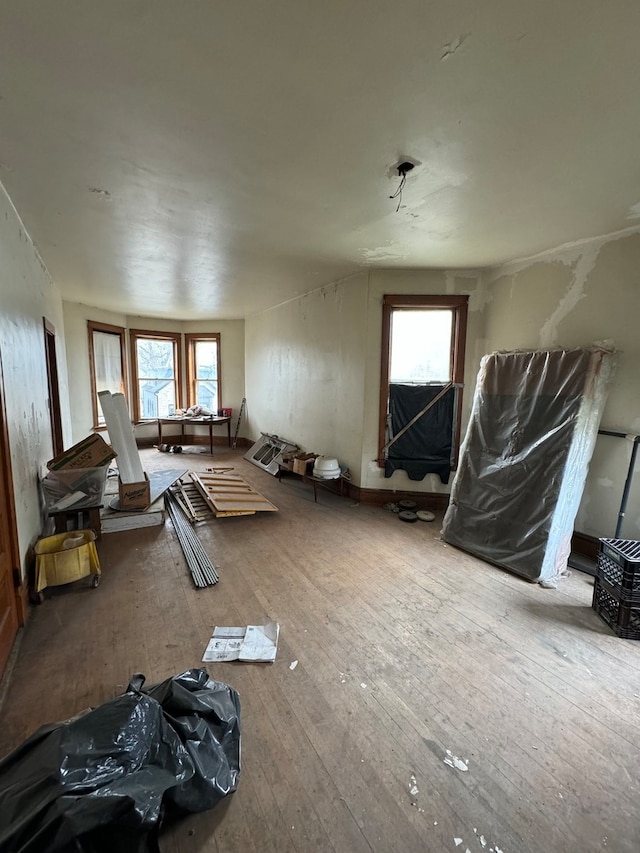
column 191, row 502
column 229, row 495
column 202, row 569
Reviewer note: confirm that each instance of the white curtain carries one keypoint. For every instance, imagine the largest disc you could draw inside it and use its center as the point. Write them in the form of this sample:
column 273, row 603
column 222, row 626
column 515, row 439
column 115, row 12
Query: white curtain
column 107, row 360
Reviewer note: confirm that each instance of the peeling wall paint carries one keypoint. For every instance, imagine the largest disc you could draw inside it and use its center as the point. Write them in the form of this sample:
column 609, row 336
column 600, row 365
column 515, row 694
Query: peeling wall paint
column 574, row 293
column 578, row 295
column 453, row 46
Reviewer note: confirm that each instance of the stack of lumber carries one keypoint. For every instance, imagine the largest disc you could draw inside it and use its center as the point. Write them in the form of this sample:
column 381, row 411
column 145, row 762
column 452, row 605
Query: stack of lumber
column 228, row 494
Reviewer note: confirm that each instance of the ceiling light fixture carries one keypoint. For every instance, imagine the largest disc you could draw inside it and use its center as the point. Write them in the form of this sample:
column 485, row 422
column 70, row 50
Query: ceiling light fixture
column 403, row 168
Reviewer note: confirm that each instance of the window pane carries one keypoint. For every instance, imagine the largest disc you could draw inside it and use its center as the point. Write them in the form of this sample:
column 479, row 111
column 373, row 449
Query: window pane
column 155, row 359
column 420, row 346
column 156, row 378
column 205, row 365
column 207, row 395
column 157, row 399
column 206, row 360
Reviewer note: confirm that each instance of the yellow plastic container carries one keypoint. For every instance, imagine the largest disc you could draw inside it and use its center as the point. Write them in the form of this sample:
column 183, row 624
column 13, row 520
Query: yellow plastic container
column 57, row 565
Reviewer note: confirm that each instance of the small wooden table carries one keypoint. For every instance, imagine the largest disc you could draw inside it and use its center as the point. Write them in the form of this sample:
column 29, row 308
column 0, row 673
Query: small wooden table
column 336, row 485
column 81, row 518
column 204, row 421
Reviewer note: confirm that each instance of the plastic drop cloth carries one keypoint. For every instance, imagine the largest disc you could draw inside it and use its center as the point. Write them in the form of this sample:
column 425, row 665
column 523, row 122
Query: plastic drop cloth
column 525, row 457
column 101, row 781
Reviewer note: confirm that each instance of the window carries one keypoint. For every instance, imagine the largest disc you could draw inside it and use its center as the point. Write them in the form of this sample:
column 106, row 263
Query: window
column 423, row 343
column 155, row 359
column 203, row 370
column 107, row 365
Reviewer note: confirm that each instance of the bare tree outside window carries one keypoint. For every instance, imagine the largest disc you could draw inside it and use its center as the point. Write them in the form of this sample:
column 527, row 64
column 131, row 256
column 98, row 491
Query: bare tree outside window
column 155, row 361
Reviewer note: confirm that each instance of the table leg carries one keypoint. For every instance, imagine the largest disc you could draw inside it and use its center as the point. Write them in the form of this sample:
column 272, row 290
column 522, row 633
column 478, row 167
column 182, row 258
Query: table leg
column 94, row 521
column 229, row 431
column 211, row 437
column 159, row 432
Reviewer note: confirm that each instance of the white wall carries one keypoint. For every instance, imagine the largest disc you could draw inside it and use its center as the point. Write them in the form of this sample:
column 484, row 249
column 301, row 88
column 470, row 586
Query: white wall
column 27, row 295
column 76, row 317
column 305, row 370
column 588, row 293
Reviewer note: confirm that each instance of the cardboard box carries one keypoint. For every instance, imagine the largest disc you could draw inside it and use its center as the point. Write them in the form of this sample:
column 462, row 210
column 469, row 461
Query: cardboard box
column 134, row 495
column 92, row 452
column 302, row 462
column 285, row 460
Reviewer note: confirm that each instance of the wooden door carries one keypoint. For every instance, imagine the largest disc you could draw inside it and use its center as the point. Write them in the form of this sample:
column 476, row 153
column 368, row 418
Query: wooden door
column 8, row 541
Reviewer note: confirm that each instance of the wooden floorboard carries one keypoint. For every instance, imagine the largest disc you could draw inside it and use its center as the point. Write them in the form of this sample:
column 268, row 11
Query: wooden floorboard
column 406, row 648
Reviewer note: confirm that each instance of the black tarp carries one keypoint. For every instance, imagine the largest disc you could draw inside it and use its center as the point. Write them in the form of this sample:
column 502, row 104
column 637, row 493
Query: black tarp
column 425, row 448
column 101, row 781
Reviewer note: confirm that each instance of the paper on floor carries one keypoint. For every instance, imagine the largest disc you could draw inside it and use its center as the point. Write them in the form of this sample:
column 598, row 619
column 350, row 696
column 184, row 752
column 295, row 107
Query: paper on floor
column 251, row 642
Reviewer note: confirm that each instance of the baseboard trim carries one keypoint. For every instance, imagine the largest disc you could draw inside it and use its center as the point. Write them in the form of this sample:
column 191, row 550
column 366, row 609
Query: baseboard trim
column 22, row 602
column 218, row 441
column 585, row 545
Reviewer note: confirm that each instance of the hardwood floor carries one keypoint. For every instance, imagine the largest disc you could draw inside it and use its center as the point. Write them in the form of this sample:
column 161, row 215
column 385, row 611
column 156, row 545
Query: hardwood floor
column 406, row 649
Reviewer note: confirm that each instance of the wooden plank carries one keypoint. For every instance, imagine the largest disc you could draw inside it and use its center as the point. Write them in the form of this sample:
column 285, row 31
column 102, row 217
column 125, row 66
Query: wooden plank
column 237, row 498
column 231, row 494
column 243, row 505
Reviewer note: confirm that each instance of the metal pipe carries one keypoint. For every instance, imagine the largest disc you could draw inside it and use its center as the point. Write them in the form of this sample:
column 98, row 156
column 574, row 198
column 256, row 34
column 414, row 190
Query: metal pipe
column 627, row 483
column 186, row 550
column 201, row 557
column 627, row 487
column 198, row 560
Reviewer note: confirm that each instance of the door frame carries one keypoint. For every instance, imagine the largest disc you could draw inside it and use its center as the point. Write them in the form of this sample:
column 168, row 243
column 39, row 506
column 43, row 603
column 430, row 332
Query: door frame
column 20, row 584
column 55, row 413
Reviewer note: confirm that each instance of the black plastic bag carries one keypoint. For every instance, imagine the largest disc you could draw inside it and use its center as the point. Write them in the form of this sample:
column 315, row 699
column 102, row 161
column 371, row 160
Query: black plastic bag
column 100, row 781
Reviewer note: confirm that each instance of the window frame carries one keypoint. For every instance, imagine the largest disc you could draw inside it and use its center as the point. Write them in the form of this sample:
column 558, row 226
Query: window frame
column 120, row 332
column 458, row 305
column 149, row 334
column 190, row 341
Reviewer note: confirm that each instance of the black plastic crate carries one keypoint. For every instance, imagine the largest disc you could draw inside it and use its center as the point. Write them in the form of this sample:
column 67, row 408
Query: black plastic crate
column 618, row 568
column 622, row 617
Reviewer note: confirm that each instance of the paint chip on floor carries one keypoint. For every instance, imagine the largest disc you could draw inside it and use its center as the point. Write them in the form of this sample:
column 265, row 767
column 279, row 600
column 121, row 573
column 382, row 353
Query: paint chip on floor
column 457, row 841
column 293, row 664
column 457, row 763
column 363, row 685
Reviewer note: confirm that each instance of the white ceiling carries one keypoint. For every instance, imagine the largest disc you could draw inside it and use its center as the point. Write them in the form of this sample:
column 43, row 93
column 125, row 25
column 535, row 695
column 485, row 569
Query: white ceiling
column 211, row 158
